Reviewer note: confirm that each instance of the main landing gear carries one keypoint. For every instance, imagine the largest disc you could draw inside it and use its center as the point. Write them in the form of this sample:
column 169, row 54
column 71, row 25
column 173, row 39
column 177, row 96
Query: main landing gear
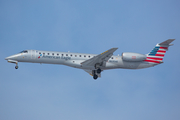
column 98, row 70
column 95, row 76
column 95, row 72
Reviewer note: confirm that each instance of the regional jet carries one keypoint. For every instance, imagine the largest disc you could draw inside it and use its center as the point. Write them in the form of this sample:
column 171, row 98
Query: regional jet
column 92, row 63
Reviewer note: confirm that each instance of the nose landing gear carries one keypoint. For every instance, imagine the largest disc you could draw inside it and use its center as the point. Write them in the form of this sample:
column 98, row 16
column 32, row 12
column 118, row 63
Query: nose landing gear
column 15, row 62
column 16, row 67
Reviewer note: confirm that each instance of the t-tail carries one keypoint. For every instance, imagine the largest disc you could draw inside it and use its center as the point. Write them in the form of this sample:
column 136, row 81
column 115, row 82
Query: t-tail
column 157, row 54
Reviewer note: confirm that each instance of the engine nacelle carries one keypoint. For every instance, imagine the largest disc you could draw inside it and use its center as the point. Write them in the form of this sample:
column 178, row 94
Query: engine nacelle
column 133, row 57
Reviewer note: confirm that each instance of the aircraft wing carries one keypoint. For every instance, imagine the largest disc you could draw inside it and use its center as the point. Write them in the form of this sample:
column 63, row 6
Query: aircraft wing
column 100, row 59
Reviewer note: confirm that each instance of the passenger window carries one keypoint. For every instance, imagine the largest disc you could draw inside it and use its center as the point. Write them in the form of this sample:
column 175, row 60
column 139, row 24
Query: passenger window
column 48, row 53
column 84, row 55
column 58, row 54
column 89, row 56
column 79, row 55
column 112, row 57
column 43, row 53
column 71, row 55
column 39, row 52
column 66, row 54
column 62, row 54
column 75, row 55
column 52, row 53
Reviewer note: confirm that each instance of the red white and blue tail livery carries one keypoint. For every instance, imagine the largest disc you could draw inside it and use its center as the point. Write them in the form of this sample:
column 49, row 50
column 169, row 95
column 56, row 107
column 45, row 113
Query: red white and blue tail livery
column 158, row 53
column 94, row 64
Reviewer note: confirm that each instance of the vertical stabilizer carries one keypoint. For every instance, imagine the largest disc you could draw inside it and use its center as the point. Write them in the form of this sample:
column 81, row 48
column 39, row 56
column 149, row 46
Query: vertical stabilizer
column 157, row 54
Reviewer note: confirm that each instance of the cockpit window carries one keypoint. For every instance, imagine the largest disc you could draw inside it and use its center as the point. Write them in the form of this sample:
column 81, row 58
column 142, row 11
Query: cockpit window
column 24, row 51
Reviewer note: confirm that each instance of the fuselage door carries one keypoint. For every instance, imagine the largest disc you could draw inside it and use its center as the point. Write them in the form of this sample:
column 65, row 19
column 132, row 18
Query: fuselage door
column 33, row 54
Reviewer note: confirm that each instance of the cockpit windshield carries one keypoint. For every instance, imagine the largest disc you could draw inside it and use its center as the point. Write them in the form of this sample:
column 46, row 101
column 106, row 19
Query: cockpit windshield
column 24, row 51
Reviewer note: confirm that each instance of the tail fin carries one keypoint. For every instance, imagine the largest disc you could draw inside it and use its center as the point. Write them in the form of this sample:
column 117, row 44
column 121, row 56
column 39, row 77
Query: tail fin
column 157, row 54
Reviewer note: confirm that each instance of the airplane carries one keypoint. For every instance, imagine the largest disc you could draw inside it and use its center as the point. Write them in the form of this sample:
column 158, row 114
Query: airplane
column 92, row 63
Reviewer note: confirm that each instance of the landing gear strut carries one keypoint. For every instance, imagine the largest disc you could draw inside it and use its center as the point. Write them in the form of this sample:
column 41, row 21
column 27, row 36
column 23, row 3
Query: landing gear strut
column 94, row 75
column 16, row 67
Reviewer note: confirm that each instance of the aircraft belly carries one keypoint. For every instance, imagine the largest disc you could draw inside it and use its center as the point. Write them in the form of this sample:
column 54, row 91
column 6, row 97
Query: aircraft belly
column 111, row 66
column 43, row 60
column 135, row 65
column 131, row 65
column 73, row 63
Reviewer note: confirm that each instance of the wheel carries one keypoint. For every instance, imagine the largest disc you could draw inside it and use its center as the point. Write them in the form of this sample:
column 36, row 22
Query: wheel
column 98, row 70
column 16, row 67
column 95, row 76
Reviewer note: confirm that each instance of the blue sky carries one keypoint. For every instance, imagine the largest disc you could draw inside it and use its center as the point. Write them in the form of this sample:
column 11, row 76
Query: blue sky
column 46, row 92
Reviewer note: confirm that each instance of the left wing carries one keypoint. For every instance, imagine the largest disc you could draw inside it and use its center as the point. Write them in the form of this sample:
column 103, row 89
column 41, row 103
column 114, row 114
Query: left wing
column 100, row 59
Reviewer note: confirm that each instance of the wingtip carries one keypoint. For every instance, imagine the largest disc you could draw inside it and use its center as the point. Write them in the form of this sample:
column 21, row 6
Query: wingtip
column 113, row 49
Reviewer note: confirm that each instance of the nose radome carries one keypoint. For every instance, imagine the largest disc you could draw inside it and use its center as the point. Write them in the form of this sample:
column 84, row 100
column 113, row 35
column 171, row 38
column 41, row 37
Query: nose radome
column 7, row 58
column 11, row 57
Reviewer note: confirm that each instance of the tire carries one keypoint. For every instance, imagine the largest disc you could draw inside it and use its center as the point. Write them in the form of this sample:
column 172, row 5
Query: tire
column 16, row 67
column 95, row 76
column 98, row 70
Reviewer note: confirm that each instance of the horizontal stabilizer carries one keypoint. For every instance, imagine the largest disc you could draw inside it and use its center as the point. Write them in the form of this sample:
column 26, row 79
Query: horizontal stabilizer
column 167, row 42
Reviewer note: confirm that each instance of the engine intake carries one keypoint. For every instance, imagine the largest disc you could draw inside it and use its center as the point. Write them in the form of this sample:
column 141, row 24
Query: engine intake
column 133, row 57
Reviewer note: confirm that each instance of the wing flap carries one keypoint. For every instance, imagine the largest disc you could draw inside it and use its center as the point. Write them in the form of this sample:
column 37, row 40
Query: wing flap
column 91, row 73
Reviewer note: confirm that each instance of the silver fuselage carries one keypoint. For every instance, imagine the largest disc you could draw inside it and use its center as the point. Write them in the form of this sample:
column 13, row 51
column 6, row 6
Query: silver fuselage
column 74, row 60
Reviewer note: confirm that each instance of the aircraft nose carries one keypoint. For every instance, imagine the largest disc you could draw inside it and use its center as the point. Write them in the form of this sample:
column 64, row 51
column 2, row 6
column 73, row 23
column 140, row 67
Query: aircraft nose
column 10, row 57
column 6, row 58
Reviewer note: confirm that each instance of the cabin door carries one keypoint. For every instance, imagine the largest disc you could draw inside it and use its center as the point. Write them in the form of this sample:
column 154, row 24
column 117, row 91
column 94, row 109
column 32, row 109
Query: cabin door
column 33, row 54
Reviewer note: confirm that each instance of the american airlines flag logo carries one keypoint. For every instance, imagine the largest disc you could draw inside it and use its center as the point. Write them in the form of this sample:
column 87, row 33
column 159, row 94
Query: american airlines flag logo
column 156, row 55
column 40, row 55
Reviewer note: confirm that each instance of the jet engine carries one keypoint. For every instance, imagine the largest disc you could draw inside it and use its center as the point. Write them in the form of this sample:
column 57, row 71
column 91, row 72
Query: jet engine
column 133, row 57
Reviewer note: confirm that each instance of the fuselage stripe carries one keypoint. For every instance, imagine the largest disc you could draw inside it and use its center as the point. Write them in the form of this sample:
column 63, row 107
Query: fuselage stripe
column 154, row 58
column 152, row 61
column 160, row 55
column 163, row 48
column 161, row 51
